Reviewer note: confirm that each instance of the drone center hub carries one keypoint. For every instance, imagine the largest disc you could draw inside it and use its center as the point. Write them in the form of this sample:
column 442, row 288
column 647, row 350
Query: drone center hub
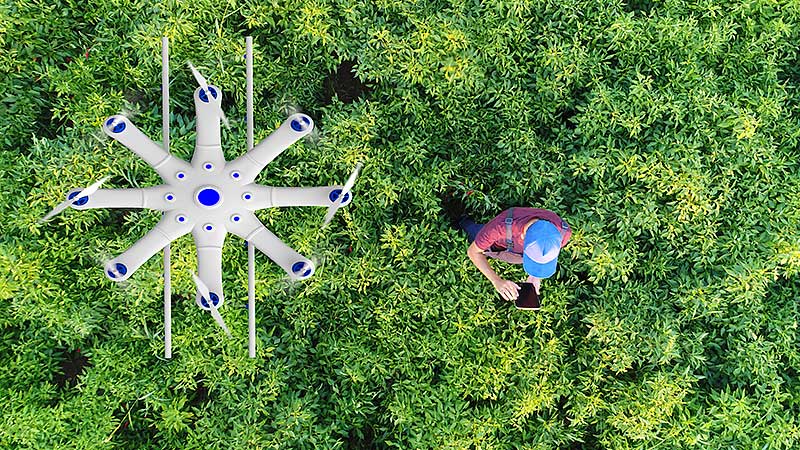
column 209, row 197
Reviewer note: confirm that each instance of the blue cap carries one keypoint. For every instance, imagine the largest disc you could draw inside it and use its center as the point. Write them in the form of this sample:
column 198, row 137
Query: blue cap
column 541, row 248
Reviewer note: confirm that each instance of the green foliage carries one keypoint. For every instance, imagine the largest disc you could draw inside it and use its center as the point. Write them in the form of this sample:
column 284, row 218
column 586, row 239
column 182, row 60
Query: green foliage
column 665, row 133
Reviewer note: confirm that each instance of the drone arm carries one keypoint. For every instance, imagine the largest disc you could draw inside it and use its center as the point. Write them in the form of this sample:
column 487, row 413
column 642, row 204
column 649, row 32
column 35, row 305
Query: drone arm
column 166, row 231
column 149, row 198
column 125, row 132
column 274, row 197
column 207, row 146
column 252, row 230
column 209, row 260
column 253, row 162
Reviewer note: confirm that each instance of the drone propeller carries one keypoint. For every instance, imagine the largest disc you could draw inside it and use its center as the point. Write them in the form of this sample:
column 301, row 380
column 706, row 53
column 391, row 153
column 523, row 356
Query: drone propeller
column 74, row 198
column 342, row 196
column 204, row 84
column 212, row 307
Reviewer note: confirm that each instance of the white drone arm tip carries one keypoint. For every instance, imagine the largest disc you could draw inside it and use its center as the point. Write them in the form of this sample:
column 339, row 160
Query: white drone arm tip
column 125, row 132
column 207, row 109
column 344, row 197
column 212, row 306
column 276, row 197
column 252, row 230
column 159, row 198
column 75, row 197
column 167, row 230
column 204, row 88
column 209, row 263
column 291, row 130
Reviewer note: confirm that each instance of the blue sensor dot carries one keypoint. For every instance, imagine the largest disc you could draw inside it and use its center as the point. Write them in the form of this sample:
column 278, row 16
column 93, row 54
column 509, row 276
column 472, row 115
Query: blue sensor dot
column 204, row 97
column 236, row 218
column 118, row 128
column 334, row 195
column 235, row 174
column 214, row 299
column 247, row 196
column 180, row 175
column 170, row 197
column 208, row 197
column 209, row 227
column 79, row 202
column 181, row 218
column 301, row 124
column 209, row 166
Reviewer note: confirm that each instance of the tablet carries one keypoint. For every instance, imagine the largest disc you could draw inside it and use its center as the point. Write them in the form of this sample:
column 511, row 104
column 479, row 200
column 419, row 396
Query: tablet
column 527, row 298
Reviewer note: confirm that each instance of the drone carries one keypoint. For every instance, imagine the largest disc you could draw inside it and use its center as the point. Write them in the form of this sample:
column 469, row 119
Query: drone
column 209, row 197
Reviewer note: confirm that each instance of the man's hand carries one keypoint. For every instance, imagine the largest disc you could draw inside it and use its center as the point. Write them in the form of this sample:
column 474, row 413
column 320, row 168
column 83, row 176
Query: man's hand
column 507, row 289
column 536, row 282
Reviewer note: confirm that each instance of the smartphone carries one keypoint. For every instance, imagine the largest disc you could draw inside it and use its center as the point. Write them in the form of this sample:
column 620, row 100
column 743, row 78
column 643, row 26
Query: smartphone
column 527, row 298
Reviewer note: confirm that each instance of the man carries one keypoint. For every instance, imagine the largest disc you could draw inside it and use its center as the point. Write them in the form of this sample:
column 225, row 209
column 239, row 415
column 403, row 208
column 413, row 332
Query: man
column 528, row 236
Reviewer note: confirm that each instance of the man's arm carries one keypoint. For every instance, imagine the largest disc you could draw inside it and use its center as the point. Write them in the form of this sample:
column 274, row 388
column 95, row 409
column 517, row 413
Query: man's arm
column 507, row 289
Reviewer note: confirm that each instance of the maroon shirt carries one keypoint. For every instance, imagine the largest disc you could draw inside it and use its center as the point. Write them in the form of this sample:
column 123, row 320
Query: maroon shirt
column 494, row 233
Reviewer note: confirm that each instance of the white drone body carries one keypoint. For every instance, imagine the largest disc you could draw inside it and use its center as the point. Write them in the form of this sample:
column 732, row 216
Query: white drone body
column 209, row 197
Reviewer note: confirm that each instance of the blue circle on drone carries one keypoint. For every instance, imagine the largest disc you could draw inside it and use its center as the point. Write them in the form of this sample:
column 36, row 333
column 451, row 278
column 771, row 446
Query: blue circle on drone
column 208, row 197
column 214, row 299
column 79, row 202
column 118, row 128
column 298, row 126
column 334, row 195
column 298, row 266
column 204, row 96
column 122, row 269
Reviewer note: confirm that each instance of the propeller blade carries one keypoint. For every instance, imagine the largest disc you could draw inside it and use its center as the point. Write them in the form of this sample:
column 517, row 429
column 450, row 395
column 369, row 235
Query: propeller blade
column 207, row 295
column 84, row 193
column 345, row 190
column 204, row 84
column 216, row 315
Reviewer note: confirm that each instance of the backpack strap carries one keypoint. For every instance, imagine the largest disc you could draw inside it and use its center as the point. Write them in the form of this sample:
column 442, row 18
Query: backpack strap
column 509, row 220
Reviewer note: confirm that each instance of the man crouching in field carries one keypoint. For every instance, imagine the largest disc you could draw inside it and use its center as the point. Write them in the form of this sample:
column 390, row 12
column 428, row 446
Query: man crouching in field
column 528, row 236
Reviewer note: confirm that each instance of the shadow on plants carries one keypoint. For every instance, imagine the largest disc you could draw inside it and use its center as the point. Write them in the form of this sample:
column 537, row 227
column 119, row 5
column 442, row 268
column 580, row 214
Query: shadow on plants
column 565, row 115
column 362, row 439
column 344, row 84
column 644, row 7
column 589, row 440
column 46, row 125
column 478, row 403
column 199, row 396
column 562, row 409
column 133, row 430
column 72, row 366
column 119, row 216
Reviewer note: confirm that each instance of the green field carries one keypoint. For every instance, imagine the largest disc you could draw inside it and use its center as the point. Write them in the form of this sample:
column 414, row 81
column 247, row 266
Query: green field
column 665, row 133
